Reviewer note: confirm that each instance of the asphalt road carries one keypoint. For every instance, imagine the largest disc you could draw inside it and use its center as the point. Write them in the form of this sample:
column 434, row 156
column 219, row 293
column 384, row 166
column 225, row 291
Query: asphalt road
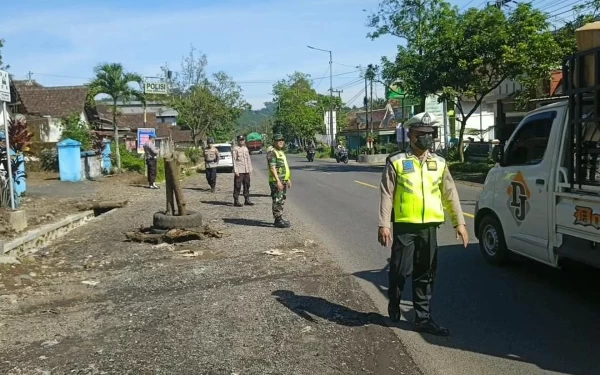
column 522, row 319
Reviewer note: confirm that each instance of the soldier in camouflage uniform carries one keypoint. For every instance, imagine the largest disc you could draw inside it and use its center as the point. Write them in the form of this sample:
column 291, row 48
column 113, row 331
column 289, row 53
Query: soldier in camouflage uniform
column 279, row 179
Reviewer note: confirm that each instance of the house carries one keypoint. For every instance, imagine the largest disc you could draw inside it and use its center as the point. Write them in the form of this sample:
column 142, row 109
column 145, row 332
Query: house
column 45, row 107
column 164, row 114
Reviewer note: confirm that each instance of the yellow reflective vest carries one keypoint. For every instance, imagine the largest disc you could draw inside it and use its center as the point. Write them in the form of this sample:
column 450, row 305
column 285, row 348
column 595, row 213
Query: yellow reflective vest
column 281, row 164
column 418, row 198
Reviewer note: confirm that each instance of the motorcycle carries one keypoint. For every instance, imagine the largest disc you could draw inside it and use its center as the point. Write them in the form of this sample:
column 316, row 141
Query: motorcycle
column 342, row 156
column 310, row 155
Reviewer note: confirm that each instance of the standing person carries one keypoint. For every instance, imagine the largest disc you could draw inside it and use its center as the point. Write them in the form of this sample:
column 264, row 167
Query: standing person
column 242, row 167
column 415, row 186
column 279, row 179
column 211, row 161
column 151, row 155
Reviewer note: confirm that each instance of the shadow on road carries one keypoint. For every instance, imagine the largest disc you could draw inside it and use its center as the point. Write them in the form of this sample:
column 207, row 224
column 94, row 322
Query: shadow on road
column 196, row 189
column 525, row 312
column 307, row 306
column 217, row 203
column 331, row 167
column 248, row 222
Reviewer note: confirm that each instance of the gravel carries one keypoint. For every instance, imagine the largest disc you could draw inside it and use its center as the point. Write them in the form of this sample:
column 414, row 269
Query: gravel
column 260, row 300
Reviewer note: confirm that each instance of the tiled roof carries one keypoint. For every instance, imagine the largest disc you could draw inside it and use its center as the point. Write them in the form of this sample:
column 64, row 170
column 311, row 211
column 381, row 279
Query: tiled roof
column 51, row 101
column 128, row 120
column 177, row 134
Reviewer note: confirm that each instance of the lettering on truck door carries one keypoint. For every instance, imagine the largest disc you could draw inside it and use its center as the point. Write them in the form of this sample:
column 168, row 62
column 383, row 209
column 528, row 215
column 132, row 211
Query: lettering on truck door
column 522, row 196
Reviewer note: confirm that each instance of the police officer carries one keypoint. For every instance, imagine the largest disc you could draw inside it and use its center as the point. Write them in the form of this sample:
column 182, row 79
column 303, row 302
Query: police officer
column 279, row 179
column 415, row 188
column 242, row 167
column 151, row 155
column 211, row 161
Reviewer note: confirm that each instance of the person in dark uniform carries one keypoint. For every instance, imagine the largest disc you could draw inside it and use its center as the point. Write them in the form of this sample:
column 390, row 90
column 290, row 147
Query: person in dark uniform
column 151, row 156
column 415, row 188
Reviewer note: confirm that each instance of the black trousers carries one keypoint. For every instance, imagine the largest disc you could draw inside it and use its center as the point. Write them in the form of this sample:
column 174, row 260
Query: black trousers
column 414, row 251
column 211, row 177
column 151, row 163
column 238, row 181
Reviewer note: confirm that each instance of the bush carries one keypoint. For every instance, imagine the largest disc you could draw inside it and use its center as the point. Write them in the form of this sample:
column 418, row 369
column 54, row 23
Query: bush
column 323, row 151
column 130, row 161
column 469, row 167
column 49, row 160
column 74, row 128
column 193, row 154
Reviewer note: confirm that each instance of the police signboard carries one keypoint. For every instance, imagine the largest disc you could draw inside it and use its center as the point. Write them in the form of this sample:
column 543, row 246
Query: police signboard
column 4, row 86
column 156, row 87
column 142, row 138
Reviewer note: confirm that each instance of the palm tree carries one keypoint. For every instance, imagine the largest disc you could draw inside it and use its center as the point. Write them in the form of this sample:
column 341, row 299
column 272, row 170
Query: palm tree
column 112, row 80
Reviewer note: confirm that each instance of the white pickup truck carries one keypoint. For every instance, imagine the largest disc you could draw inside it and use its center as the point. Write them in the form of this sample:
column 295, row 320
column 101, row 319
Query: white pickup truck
column 542, row 199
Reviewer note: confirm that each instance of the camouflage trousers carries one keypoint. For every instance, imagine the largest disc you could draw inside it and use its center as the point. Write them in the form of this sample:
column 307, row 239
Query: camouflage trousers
column 278, row 199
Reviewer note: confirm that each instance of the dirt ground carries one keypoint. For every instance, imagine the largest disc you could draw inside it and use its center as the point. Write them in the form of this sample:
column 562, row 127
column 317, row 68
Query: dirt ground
column 260, row 300
column 47, row 199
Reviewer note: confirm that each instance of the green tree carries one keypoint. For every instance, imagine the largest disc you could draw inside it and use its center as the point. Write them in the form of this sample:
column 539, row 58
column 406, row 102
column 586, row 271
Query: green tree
column 2, row 66
column 299, row 109
column 466, row 56
column 415, row 22
column 74, row 128
column 114, row 81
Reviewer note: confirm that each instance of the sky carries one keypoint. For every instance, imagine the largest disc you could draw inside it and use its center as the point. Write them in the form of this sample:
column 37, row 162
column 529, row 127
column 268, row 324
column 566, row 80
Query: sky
column 256, row 42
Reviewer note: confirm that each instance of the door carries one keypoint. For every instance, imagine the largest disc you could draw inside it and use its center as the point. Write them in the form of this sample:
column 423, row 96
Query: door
column 522, row 196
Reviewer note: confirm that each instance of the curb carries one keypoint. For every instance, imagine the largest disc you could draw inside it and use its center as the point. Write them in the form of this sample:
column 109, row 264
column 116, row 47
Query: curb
column 49, row 232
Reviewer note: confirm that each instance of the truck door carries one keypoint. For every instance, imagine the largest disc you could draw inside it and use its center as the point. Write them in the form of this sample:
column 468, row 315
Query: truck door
column 521, row 194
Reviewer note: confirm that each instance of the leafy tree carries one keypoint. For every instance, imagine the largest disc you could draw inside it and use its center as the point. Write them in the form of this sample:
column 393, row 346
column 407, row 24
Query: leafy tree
column 415, row 22
column 464, row 57
column 2, row 66
column 114, row 81
column 74, row 128
column 299, row 108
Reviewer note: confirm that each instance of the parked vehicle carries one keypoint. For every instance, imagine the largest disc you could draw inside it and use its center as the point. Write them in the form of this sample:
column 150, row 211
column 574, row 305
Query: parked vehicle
column 225, row 157
column 342, row 156
column 254, row 142
column 542, row 199
column 310, row 155
column 478, row 151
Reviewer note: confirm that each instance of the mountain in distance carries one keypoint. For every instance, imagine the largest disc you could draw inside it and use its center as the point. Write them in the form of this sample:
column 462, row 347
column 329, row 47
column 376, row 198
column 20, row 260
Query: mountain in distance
column 257, row 118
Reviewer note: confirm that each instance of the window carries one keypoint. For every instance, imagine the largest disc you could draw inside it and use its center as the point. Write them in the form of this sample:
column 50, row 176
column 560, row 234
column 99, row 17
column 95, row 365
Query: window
column 531, row 140
column 223, row 149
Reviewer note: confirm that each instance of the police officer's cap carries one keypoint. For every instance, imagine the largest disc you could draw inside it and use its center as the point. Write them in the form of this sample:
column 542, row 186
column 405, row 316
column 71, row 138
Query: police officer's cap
column 210, row 141
column 278, row 137
column 240, row 137
column 423, row 122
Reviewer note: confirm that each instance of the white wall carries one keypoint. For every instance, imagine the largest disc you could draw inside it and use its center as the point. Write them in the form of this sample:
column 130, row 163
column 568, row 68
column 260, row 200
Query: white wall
column 53, row 131
column 482, row 118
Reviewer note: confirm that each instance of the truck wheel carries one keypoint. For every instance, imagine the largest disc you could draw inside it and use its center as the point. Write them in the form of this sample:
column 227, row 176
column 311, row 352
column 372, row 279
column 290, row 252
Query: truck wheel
column 191, row 220
column 491, row 241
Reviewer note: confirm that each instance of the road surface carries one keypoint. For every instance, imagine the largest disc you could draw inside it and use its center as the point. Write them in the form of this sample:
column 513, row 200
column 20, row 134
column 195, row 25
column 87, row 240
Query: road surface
column 522, row 319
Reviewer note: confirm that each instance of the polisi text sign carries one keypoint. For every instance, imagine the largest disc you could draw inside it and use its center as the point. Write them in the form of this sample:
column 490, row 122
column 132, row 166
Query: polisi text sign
column 156, row 87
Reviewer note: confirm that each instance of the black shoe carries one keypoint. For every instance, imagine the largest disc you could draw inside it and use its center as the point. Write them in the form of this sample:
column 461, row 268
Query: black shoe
column 248, row 203
column 280, row 223
column 431, row 327
column 394, row 312
column 236, row 203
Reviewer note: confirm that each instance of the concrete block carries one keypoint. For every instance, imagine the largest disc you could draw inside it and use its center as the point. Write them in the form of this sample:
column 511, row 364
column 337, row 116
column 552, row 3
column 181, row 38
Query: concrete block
column 17, row 220
column 5, row 259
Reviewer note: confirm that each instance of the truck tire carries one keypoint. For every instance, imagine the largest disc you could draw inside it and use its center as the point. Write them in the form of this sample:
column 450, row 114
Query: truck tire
column 163, row 221
column 491, row 241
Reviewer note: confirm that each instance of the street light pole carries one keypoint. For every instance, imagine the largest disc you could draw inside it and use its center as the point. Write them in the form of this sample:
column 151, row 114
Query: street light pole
column 330, row 92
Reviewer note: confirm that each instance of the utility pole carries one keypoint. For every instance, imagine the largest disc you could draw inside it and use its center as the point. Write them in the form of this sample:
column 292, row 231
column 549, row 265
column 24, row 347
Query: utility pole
column 366, row 102
column 339, row 111
column 330, row 92
column 371, row 107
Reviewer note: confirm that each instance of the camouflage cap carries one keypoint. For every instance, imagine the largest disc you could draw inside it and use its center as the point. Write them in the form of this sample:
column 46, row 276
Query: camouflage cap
column 278, row 137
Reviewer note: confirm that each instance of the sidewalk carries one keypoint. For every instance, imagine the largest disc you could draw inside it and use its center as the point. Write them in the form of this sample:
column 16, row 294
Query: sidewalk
column 94, row 304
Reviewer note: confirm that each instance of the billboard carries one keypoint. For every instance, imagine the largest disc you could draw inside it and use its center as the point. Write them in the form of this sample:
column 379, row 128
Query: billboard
column 143, row 134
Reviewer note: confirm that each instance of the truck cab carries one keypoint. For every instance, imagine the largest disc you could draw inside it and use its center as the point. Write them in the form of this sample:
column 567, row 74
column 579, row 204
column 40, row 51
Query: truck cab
column 542, row 198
